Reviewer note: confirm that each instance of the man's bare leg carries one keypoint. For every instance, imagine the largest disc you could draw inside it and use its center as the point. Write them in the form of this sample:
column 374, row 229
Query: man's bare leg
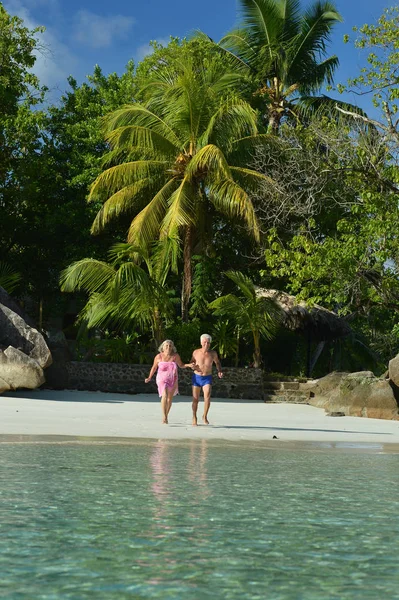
column 164, row 407
column 196, row 395
column 207, row 389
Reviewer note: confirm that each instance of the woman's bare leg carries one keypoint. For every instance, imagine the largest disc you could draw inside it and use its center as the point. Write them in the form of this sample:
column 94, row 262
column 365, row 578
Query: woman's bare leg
column 169, row 401
column 164, row 406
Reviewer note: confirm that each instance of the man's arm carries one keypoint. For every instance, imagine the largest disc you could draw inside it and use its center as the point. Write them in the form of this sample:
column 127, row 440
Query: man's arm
column 218, row 365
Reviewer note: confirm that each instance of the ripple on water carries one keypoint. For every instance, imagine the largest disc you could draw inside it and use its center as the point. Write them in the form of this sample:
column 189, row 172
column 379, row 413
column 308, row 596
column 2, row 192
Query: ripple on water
column 199, row 520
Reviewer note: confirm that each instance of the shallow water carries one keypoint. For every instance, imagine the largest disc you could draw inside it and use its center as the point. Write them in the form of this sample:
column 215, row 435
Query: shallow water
column 197, row 520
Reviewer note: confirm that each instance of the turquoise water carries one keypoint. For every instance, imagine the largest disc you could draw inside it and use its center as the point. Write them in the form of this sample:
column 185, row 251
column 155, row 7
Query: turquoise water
column 196, row 520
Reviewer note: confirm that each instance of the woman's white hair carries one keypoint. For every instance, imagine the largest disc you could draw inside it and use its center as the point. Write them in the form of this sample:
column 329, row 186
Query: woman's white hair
column 160, row 349
column 206, row 336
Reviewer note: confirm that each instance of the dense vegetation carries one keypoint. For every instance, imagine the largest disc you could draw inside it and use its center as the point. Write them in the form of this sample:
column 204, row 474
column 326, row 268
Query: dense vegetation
column 155, row 203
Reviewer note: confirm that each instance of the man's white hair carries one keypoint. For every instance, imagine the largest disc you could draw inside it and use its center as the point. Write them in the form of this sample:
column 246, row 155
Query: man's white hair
column 206, row 336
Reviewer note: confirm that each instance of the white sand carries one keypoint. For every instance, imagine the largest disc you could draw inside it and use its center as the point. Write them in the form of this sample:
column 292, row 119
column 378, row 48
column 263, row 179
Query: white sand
column 106, row 415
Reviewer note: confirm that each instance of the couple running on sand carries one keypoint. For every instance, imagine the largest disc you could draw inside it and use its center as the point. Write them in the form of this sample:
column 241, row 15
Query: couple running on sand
column 201, row 363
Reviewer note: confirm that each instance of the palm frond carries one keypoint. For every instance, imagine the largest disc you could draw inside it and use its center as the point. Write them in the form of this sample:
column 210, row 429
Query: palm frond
column 316, row 25
column 138, row 114
column 210, row 159
column 181, row 209
column 233, row 120
column 250, row 179
column 244, row 283
column 145, row 226
column 125, row 174
column 166, row 256
column 88, row 274
column 263, row 23
column 141, row 137
column 122, row 202
column 226, row 305
column 231, row 200
column 9, row 277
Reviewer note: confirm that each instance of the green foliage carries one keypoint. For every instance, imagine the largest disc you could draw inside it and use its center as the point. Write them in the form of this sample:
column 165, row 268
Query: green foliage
column 122, row 294
column 127, row 348
column 380, row 75
column 251, row 313
column 186, row 337
column 175, row 157
column 9, row 279
column 17, row 51
column 284, row 52
column 225, row 335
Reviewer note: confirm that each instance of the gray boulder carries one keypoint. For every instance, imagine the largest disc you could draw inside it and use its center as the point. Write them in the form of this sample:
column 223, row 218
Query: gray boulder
column 10, row 303
column 14, row 331
column 17, row 370
column 393, row 370
column 356, row 394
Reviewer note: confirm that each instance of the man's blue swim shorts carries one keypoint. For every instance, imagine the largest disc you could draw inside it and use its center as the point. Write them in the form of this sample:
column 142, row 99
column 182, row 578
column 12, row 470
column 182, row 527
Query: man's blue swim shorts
column 201, row 380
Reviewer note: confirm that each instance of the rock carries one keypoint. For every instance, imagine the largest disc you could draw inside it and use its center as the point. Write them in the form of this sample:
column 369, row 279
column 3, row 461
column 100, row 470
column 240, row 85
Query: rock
column 14, row 331
column 10, row 303
column 356, row 394
column 17, row 370
column 335, row 414
column 393, row 370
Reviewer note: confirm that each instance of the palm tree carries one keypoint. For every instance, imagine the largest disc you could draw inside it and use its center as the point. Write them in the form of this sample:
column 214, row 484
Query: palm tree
column 9, row 278
column 252, row 314
column 284, row 52
column 121, row 292
column 178, row 157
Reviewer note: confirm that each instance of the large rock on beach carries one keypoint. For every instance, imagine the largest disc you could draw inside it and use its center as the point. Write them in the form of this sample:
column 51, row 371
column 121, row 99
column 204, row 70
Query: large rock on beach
column 393, row 370
column 19, row 371
column 23, row 350
column 14, row 331
column 355, row 394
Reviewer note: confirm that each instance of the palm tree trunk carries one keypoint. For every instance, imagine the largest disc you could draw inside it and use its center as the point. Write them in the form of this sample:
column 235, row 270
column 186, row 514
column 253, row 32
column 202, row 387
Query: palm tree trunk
column 157, row 327
column 238, row 347
column 257, row 356
column 187, row 272
column 274, row 122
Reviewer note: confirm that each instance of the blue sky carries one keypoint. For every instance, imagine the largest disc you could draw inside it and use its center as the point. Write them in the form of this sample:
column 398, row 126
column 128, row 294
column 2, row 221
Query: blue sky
column 81, row 34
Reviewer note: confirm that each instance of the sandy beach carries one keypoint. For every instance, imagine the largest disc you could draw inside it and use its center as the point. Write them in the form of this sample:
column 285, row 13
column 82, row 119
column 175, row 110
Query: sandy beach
column 74, row 414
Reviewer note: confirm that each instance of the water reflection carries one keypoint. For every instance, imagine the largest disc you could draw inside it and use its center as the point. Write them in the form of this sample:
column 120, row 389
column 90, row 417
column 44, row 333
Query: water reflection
column 197, row 470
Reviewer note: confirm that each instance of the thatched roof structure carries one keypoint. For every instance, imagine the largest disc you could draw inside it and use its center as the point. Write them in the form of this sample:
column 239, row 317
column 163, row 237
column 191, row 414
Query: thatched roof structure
column 317, row 322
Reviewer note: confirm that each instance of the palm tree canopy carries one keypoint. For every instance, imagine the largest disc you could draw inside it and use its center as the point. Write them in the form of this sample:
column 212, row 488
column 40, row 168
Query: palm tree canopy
column 121, row 292
column 277, row 40
column 177, row 151
column 251, row 312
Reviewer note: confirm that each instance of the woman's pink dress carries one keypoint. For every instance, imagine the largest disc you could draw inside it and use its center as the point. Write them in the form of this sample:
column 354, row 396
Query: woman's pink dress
column 167, row 377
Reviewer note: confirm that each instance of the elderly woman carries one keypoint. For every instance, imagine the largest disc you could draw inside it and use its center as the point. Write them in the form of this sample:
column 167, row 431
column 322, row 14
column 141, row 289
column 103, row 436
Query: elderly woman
column 167, row 362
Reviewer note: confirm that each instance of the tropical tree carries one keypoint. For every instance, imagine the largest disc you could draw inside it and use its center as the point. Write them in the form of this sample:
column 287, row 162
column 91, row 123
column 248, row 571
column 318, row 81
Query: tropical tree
column 9, row 278
column 252, row 313
column 121, row 293
column 179, row 158
column 284, row 51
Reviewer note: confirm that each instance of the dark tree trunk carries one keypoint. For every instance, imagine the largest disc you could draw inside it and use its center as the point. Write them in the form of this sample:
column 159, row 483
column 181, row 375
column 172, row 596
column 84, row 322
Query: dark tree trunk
column 187, row 273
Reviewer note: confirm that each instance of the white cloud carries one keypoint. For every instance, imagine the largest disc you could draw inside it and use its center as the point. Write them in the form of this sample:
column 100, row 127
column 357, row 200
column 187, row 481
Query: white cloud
column 145, row 49
column 54, row 61
column 100, row 32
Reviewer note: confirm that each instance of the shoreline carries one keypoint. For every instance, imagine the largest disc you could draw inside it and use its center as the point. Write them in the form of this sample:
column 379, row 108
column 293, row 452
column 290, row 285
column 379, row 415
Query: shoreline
column 266, row 445
column 97, row 417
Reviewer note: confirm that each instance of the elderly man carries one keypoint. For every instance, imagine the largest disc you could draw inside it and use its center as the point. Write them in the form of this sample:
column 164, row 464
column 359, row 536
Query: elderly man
column 204, row 358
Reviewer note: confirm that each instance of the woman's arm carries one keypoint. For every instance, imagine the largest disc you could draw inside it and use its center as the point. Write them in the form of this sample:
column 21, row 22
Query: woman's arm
column 153, row 369
column 183, row 365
